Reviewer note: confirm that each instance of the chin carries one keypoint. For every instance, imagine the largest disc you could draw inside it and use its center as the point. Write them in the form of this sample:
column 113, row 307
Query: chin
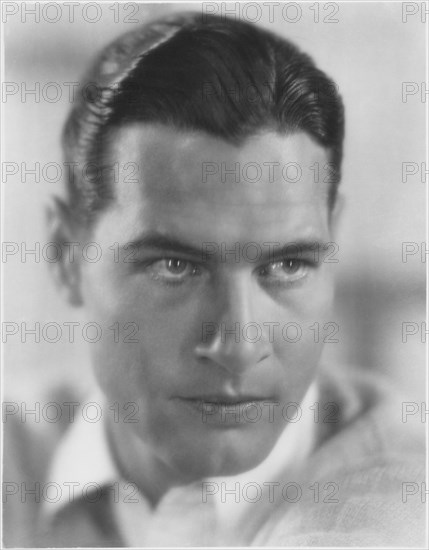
column 222, row 459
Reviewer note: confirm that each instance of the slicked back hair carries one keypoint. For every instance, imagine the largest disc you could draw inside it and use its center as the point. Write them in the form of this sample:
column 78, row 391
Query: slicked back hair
column 227, row 78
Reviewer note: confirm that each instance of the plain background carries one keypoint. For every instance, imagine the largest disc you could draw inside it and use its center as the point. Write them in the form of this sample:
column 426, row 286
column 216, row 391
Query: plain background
column 370, row 52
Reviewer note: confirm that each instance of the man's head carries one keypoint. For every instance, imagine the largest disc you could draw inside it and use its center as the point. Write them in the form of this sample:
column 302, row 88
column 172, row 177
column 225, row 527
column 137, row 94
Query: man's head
column 208, row 136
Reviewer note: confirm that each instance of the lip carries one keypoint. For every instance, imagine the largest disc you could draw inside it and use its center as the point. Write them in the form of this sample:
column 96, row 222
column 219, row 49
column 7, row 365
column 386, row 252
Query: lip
column 226, row 399
column 224, row 410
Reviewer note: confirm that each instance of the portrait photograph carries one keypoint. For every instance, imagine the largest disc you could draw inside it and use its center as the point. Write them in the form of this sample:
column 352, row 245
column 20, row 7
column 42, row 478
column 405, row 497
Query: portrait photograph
column 214, row 271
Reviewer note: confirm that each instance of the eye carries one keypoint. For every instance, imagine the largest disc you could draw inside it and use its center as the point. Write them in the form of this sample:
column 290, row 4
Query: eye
column 286, row 271
column 172, row 270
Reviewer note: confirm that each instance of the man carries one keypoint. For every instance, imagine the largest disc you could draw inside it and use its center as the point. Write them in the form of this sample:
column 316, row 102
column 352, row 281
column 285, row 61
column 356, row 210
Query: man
column 214, row 275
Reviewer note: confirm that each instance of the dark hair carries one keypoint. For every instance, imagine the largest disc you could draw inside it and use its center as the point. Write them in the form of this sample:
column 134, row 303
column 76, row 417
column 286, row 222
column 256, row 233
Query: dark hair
column 227, row 78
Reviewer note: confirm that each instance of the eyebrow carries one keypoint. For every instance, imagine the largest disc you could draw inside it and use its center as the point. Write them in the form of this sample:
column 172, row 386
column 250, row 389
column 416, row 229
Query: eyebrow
column 271, row 250
column 165, row 243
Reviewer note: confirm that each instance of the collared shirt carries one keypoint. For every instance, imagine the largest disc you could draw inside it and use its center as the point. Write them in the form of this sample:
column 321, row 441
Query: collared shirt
column 208, row 512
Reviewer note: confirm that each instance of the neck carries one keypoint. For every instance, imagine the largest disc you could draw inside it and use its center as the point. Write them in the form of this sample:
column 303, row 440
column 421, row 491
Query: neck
column 139, row 465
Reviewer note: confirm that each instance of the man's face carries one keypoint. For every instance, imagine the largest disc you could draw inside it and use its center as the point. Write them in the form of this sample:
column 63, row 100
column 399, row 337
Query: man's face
column 211, row 307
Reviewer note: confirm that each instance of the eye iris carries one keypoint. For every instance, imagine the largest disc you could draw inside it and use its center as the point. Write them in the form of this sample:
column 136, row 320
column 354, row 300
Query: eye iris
column 291, row 266
column 176, row 267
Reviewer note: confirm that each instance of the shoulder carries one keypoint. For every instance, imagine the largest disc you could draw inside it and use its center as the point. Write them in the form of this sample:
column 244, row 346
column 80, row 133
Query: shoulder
column 379, row 502
column 369, row 415
column 30, row 440
column 364, row 484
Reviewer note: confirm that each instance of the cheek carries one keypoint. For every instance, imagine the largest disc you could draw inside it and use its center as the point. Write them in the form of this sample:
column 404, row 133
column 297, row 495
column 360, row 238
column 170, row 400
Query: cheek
column 116, row 354
column 306, row 323
column 146, row 343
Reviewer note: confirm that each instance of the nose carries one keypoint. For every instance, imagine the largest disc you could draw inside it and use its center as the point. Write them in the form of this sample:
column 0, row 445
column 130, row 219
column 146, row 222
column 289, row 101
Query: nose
column 235, row 339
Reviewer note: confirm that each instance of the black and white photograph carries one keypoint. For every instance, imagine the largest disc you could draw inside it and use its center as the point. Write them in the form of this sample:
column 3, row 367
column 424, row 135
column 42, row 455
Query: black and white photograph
column 214, row 271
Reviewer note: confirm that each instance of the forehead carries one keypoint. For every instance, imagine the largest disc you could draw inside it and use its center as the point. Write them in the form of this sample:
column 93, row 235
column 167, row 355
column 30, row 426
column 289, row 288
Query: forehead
column 187, row 182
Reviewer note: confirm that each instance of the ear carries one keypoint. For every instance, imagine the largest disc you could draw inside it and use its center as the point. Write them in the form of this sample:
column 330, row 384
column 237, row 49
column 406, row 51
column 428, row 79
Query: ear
column 62, row 230
column 335, row 215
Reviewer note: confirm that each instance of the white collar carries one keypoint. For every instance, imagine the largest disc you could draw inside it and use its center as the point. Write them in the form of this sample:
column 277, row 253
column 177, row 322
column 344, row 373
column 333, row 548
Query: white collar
column 83, row 458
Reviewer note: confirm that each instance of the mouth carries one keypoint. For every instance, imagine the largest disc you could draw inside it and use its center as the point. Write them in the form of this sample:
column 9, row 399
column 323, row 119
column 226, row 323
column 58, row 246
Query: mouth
column 226, row 400
column 227, row 410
